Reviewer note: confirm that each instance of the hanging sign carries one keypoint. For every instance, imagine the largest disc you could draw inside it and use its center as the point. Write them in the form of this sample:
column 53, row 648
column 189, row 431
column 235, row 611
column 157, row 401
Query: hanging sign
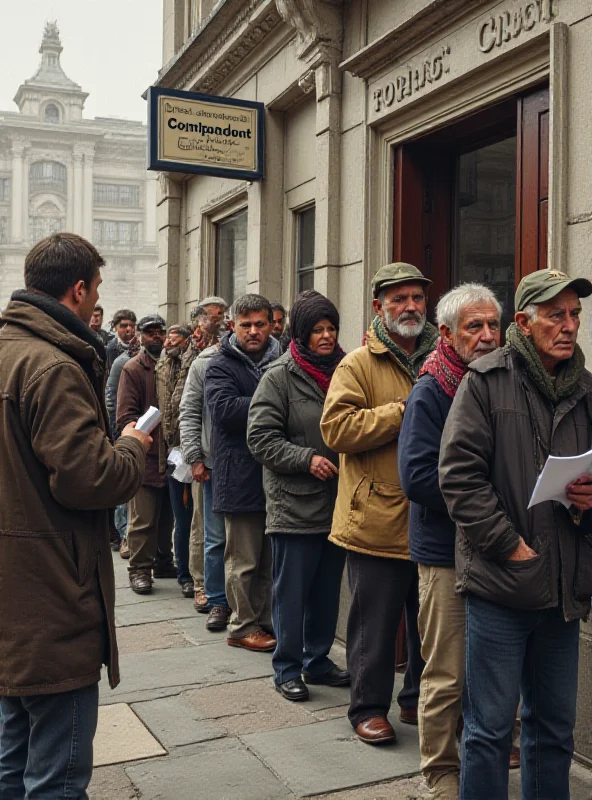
column 200, row 133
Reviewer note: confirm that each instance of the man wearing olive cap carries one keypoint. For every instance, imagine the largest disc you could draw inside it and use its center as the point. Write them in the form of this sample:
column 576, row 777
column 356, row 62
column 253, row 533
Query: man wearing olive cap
column 526, row 574
column 361, row 421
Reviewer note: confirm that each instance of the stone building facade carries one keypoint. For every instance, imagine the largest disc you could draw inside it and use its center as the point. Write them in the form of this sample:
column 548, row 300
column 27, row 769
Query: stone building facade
column 60, row 171
column 451, row 134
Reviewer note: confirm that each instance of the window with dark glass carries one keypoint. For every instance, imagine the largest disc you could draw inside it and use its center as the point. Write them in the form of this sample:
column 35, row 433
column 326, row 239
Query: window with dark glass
column 114, row 194
column 52, row 114
column 4, row 189
column 47, row 176
column 305, row 249
column 107, row 232
column 231, row 256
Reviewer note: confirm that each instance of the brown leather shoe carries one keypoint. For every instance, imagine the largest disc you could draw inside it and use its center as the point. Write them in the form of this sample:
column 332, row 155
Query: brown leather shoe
column 515, row 758
column 141, row 582
column 218, row 618
column 408, row 716
column 259, row 642
column 376, row 730
column 200, row 601
column 124, row 550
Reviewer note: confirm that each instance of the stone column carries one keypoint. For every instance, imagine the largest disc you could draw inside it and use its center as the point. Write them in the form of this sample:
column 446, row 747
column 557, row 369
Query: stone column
column 25, row 199
column 17, row 191
column 77, row 200
column 87, row 205
column 150, row 201
column 170, row 198
column 70, row 196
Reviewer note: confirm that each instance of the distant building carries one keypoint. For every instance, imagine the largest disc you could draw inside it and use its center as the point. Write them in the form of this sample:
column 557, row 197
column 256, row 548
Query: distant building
column 59, row 171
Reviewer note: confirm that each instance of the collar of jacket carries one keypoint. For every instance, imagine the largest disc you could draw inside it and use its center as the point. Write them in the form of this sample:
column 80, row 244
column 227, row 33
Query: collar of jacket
column 51, row 320
column 146, row 360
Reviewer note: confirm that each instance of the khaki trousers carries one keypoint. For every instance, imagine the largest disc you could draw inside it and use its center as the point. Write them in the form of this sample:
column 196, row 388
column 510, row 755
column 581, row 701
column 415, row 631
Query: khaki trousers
column 196, row 538
column 441, row 625
column 150, row 527
column 247, row 568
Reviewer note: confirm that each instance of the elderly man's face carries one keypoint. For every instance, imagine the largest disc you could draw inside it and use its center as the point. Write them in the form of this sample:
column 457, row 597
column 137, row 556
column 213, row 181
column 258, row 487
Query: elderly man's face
column 555, row 330
column 403, row 309
column 478, row 331
column 176, row 338
column 212, row 319
column 278, row 324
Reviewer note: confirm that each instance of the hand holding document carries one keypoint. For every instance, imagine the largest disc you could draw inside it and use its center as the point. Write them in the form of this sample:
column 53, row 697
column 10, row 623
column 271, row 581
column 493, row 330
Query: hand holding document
column 556, row 476
column 149, row 420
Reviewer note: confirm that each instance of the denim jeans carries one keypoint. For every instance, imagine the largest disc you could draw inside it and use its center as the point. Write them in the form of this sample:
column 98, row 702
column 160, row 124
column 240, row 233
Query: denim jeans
column 307, row 572
column 46, row 745
column 214, row 546
column 511, row 653
column 180, row 493
column 121, row 521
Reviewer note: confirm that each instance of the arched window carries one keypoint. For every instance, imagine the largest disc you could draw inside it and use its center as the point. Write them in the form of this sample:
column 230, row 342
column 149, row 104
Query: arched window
column 47, row 219
column 52, row 114
column 47, row 176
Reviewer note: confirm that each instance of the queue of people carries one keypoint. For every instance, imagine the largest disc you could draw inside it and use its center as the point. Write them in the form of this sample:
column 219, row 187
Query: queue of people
column 409, row 461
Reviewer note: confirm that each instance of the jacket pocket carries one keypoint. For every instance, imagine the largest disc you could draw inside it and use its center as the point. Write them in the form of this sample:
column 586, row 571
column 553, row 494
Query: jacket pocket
column 523, row 585
column 379, row 518
column 304, row 502
column 40, row 553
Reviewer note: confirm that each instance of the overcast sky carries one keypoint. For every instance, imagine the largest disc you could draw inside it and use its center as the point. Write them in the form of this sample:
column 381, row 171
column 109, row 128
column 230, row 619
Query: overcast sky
column 112, row 48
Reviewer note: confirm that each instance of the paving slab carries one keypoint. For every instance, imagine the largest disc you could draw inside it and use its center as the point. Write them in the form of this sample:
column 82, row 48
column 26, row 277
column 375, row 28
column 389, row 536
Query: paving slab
column 111, row 783
column 189, row 666
column 224, row 772
column 247, row 707
column 337, row 712
column 193, row 629
column 403, row 789
column 121, row 736
column 175, row 722
column 333, row 756
column 152, row 636
column 161, row 590
column 162, row 611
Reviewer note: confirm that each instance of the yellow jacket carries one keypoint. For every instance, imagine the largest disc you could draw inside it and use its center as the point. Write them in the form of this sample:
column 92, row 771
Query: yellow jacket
column 361, row 421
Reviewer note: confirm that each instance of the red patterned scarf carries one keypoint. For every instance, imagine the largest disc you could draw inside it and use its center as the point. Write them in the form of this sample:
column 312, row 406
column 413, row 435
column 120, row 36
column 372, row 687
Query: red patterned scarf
column 446, row 367
column 323, row 368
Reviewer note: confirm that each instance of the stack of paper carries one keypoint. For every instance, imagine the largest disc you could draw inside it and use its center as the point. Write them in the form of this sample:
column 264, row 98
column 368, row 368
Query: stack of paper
column 556, row 476
column 149, row 420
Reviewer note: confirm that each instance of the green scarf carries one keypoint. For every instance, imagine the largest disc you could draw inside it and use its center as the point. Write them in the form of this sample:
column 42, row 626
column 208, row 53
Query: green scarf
column 568, row 375
column 426, row 342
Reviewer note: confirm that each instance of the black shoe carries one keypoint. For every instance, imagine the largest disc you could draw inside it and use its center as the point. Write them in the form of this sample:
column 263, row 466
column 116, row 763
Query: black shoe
column 141, row 582
column 187, row 589
column 335, row 677
column 294, row 690
column 165, row 569
column 218, row 618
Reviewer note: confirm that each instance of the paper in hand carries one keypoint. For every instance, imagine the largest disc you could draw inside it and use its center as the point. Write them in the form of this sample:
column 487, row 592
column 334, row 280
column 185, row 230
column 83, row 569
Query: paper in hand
column 149, row 420
column 556, row 476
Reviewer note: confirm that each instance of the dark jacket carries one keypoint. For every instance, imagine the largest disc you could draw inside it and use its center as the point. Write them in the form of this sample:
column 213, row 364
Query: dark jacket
column 136, row 393
column 431, row 531
column 114, row 349
column 111, row 389
column 284, row 432
column 58, row 476
column 498, row 434
column 105, row 336
column 231, row 380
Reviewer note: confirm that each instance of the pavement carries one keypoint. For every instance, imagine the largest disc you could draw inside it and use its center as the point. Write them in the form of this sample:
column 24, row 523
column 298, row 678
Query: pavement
column 193, row 717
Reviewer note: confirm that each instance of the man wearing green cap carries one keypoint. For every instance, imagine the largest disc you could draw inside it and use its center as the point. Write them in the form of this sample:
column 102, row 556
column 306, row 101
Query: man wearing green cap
column 526, row 573
column 361, row 421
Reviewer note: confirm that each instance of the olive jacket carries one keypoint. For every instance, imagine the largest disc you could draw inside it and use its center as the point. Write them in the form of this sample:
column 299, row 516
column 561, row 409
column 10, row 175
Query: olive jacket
column 283, row 434
column 59, row 474
column 497, row 437
column 361, row 421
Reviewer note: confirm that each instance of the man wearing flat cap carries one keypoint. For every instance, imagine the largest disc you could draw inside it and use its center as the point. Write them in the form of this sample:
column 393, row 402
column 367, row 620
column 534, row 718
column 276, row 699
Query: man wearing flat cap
column 361, row 421
column 526, row 573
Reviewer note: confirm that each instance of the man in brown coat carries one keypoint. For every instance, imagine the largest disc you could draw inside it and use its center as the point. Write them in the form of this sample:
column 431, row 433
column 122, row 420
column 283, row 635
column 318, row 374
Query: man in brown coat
column 59, row 474
column 150, row 527
column 361, row 421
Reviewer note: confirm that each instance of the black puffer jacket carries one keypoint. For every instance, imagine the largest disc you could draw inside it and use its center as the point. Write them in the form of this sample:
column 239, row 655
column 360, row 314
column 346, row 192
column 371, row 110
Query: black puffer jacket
column 284, row 434
column 231, row 380
column 497, row 436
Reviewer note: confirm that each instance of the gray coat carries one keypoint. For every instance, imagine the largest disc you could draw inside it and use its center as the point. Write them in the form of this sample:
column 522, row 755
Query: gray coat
column 283, row 433
column 497, row 437
column 195, row 422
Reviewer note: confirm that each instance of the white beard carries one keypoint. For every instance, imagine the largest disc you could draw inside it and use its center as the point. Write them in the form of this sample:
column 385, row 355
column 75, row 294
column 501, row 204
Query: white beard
column 405, row 329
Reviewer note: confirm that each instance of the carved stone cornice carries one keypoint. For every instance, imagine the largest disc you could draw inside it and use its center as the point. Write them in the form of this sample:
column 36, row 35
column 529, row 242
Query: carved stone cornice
column 319, row 27
column 430, row 21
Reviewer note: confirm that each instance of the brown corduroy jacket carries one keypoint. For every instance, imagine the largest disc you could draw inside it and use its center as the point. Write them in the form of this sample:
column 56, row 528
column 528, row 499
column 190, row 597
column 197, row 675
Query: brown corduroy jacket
column 58, row 476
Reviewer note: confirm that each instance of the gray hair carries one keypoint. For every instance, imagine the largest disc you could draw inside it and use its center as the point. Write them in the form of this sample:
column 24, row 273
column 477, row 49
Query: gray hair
column 451, row 304
column 531, row 311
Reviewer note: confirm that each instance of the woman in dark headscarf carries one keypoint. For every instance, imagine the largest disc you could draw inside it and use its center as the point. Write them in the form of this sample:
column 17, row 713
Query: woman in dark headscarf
column 300, row 480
